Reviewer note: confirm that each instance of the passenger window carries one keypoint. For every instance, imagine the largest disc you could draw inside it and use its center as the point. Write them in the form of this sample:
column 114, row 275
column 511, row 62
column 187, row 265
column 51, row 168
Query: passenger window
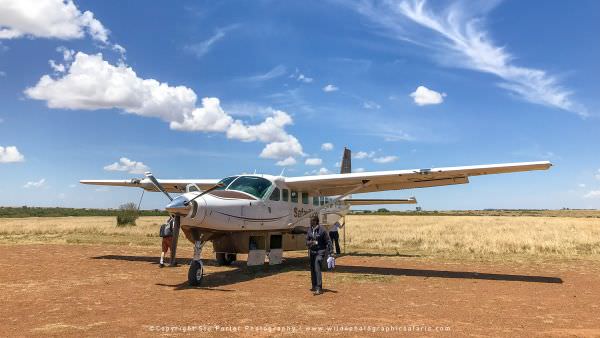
column 304, row 198
column 294, row 196
column 285, row 194
column 275, row 195
column 322, row 200
column 316, row 200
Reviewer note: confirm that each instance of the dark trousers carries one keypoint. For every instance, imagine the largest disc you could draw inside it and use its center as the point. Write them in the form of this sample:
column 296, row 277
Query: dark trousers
column 335, row 238
column 316, row 259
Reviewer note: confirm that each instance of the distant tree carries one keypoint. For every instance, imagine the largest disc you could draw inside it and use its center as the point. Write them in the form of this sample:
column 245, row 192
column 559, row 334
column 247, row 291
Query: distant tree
column 127, row 214
column 384, row 210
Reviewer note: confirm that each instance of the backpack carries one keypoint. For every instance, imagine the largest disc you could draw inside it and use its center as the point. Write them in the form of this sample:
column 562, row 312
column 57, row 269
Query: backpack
column 166, row 230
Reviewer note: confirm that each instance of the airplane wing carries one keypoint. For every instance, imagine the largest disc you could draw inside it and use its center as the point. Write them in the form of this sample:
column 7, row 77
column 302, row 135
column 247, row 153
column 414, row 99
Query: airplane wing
column 339, row 184
column 366, row 201
column 144, row 183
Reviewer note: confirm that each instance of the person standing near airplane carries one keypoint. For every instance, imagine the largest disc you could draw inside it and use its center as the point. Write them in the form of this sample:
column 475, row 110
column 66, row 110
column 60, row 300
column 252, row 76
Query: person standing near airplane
column 166, row 232
column 319, row 244
column 335, row 235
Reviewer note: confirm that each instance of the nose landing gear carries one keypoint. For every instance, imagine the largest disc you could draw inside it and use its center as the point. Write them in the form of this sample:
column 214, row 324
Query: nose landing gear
column 196, row 271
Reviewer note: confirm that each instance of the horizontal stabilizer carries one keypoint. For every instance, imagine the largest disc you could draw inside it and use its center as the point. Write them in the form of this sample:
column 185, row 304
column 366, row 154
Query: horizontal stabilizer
column 364, row 201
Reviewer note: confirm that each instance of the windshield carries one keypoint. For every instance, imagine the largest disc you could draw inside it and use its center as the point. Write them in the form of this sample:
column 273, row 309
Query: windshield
column 255, row 186
column 226, row 182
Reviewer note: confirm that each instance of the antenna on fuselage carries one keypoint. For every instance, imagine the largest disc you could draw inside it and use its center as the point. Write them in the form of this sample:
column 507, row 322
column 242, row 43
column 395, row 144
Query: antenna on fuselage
column 282, row 171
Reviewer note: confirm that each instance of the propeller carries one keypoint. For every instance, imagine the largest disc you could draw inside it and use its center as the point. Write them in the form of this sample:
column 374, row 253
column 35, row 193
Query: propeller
column 180, row 206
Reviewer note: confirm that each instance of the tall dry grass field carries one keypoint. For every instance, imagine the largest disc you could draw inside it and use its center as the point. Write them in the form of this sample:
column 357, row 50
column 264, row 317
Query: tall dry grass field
column 460, row 236
column 90, row 230
column 475, row 236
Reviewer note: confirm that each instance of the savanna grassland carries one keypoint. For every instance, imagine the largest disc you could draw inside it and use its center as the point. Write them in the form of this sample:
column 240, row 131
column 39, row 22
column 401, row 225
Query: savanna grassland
column 436, row 236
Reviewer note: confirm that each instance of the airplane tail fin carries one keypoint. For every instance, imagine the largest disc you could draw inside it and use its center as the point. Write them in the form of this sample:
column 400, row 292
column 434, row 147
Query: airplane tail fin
column 346, row 167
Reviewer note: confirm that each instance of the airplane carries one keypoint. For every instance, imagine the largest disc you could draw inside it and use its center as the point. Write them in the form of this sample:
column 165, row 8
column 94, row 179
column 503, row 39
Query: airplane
column 263, row 215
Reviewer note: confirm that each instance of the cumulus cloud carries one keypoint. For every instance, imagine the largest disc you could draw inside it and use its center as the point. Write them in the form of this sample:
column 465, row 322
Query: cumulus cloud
column 425, row 96
column 59, row 19
column 289, row 161
column 385, row 159
column 457, row 34
column 313, row 161
column 321, row 171
column 10, row 154
column 90, row 83
column 35, row 184
column 330, row 88
column 125, row 164
column 359, row 155
column 327, row 146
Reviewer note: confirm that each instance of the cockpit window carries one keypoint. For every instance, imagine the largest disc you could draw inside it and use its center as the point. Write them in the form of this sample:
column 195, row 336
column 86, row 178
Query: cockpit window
column 226, row 181
column 255, row 186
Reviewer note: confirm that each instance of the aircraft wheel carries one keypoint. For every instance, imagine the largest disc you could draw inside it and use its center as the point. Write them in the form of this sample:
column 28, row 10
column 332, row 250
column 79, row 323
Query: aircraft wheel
column 195, row 273
column 225, row 258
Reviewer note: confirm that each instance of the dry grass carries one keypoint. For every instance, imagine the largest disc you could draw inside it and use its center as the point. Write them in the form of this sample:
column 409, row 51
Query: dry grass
column 450, row 236
column 79, row 230
column 475, row 236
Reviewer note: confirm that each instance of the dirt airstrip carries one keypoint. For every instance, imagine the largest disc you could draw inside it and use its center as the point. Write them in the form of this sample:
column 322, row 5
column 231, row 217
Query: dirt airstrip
column 81, row 290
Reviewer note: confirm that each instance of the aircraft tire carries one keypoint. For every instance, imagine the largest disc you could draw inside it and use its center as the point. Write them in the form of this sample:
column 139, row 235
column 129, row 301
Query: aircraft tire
column 195, row 273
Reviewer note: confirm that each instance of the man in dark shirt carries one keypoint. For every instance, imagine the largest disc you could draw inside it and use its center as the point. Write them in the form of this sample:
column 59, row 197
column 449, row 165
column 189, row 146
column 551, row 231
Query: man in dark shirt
column 319, row 245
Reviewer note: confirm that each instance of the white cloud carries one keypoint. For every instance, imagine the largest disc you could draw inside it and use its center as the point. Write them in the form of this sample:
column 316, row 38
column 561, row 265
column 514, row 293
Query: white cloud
column 592, row 194
column 359, row 170
column 298, row 76
column 10, row 154
column 276, row 72
column 92, row 83
column 385, row 159
column 35, row 184
column 425, row 96
column 313, row 161
column 283, row 149
column 321, row 171
column 125, row 164
column 327, row 146
column 58, row 67
column 290, row 161
column 462, row 41
column 200, row 49
column 363, row 154
column 330, row 88
column 59, row 19
column 371, row 105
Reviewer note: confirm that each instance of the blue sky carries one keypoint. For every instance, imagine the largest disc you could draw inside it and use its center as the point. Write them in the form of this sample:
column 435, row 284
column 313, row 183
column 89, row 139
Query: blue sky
column 203, row 89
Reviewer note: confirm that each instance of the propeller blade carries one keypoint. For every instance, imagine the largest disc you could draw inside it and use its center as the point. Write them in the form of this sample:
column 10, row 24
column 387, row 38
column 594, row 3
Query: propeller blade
column 216, row 186
column 157, row 185
column 176, row 226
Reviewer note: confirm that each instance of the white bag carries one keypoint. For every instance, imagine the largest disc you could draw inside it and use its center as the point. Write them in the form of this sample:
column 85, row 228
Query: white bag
column 330, row 263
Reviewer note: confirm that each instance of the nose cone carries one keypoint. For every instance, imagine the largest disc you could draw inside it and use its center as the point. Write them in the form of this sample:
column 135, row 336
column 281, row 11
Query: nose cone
column 179, row 206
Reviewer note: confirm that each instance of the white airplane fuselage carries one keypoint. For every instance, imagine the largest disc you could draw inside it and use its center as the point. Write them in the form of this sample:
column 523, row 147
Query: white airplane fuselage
column 280, row 209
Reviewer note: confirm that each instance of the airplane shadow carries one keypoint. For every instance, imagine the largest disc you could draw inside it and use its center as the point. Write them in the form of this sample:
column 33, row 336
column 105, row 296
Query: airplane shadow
column 238, row 272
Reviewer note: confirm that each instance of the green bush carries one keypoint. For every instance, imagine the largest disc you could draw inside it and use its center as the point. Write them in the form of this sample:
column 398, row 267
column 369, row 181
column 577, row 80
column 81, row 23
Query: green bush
column 127, row 214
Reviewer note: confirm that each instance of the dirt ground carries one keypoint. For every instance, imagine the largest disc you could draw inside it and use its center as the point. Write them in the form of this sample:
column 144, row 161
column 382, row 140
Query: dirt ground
column 80, row 290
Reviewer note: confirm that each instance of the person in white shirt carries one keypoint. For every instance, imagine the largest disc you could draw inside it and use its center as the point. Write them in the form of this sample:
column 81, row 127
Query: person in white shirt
column 335, row 236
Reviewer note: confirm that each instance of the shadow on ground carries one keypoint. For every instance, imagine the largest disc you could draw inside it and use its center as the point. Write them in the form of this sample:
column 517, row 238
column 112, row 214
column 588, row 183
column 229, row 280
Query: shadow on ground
column 238, row 272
